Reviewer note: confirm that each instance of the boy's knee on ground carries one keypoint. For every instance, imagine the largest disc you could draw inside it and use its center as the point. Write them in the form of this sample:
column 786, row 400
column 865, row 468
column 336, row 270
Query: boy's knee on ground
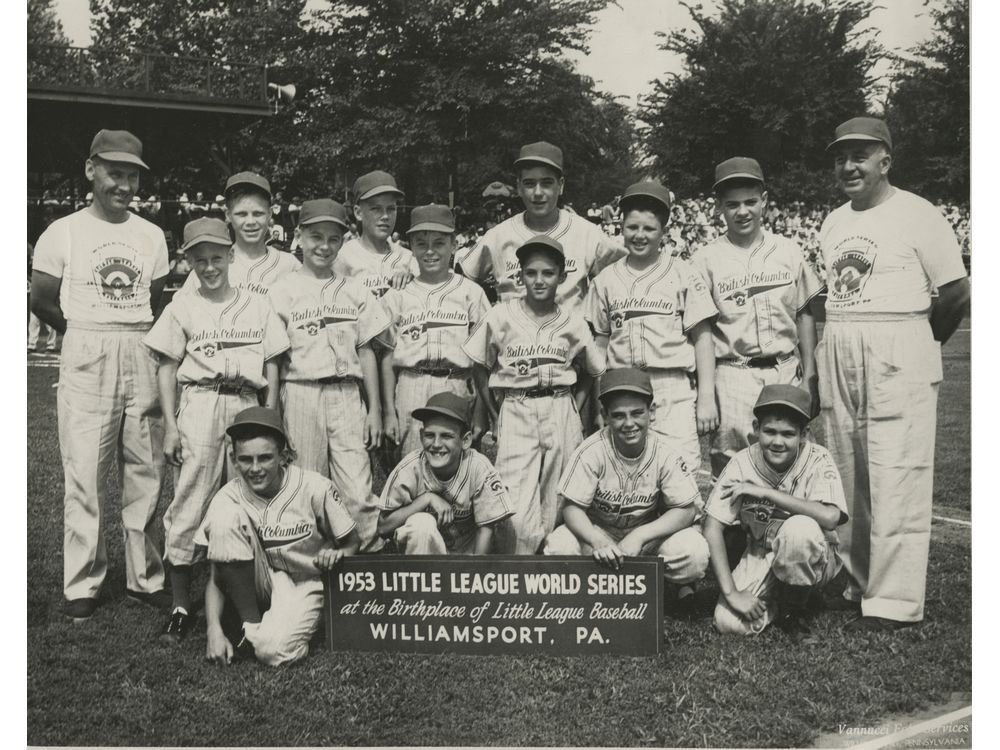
column 275, row 646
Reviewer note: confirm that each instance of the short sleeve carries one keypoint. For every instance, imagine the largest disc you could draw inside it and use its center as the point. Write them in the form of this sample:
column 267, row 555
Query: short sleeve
column 167, row 336
column 401, row 486
column 698, row 302
column 595, row 309
column 590, row 357
column 161, row 266
column 339, row 522
column 490, row 501
column 372, row 318
column 480, row 346
column 677, row 487
column 476, row 262
column 722, row 510
column 808, row 284
column 391, row 303
column 607, row 252
column 938, row 250
column 479, row 305
column 52, row 250
column 275, row 335
column 579, row 480
column 826, row 485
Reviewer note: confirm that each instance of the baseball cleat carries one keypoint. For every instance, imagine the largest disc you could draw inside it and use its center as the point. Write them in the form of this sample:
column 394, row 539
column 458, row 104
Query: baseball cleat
column 79, row 610
column 158, row 599
column 177, row 627
column 244, row 651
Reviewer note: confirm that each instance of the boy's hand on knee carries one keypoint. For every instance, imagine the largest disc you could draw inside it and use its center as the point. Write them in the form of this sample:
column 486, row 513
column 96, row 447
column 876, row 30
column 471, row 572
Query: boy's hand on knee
column 328, row 557
column 746, row 605
column 442, row 509
column 609, row 554
column 630, row 547
column 219, row 650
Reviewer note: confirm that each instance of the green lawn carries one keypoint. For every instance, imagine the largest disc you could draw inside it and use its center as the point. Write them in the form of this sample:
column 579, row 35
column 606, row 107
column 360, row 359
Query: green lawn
column 109, row 682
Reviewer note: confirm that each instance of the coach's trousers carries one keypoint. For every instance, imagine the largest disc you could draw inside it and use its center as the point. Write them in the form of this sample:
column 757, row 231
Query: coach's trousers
column 109, row 414
column 878, row 382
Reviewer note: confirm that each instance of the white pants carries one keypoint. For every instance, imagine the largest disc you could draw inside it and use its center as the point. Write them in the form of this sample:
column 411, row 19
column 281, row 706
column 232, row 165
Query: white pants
column 35, row 331
column 684, row 553
column 674, row 396
column 800, row 555
column 420, row 535
column 412, row 391
column 109, row 420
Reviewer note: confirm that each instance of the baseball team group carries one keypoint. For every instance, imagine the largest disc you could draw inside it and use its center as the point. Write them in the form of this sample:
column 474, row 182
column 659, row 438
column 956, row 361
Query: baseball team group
column 269, row 387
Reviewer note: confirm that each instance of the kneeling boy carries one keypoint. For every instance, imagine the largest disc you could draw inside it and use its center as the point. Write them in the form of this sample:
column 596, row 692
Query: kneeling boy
column 445, row 497
column 626, row 492
column 270, row 533
column 787, row 494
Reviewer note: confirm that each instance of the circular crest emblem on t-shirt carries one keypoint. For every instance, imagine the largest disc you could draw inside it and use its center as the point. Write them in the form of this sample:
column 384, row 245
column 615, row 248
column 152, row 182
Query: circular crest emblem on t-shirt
column 116, row 278
column 851, row 269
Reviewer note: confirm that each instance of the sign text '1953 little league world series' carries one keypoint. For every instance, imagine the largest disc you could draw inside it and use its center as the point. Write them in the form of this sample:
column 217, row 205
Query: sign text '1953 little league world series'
column 495, row 605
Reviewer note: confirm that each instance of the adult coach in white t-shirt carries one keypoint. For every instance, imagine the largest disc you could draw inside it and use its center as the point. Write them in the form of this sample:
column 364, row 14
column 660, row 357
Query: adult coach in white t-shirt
column 98, row 275
column 879, row 366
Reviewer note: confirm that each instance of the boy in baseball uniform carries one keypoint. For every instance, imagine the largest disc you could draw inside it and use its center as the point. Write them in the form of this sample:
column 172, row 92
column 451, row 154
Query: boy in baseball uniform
column 374, row 258
column 221, row 346
column 270, row 533
column 627, row 492
column 786, row 493
column 256, row 265
column 445, row 497
column 432, row 317
column 539, row 359
column 762, row 285
column 331, row 322
column 652, row 311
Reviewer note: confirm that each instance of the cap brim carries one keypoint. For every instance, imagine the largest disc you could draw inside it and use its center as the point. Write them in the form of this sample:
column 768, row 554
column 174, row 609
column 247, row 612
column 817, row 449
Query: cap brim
column 122, row 156
column 379, row 190
column 538, row 160
column 255, row 423
column 524, row 249
column 256, row 186
column 626, row 389
column 318, row 219
column 206, row 238
column 856, row 137
column 644, row 194
column 739, row 176
column 430, row 226
column 783, row 402
column 426, row 412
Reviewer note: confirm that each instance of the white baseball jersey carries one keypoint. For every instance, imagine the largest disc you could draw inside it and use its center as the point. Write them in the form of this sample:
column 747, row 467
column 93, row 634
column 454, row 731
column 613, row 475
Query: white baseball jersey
column 106, row 268
column 476, row 492
column 813, row 476
column 889, row 258
column 374, row 270
column 622, row 493
column 219, row 341
column 257, row 275
column 647, row 314
column 523, row 354
column 327, row 320
column 293, row 526
column 430, row 323
column 588, row 251
column 758, row 291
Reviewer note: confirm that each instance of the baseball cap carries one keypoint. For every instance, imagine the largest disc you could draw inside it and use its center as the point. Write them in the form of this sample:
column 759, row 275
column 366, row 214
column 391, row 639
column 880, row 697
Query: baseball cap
column 543, row 241
column 791, row 396
column 117, row 145
column 206, row 230
column 375, row 183
column 434, row 217
column 322, row 209
column 446, row 404
column 646, row 189
column 541, row 152
column 862, row 129
column 739, row 167
column 259, row 416
column 628, row 380
column 248, row 178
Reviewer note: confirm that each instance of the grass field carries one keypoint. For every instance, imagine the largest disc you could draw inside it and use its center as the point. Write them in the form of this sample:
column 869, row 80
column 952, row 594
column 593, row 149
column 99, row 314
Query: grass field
column 109, row 681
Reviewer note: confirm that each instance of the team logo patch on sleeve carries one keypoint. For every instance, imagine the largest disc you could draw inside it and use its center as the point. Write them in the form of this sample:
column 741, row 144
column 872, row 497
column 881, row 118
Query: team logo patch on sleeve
column 116, row 278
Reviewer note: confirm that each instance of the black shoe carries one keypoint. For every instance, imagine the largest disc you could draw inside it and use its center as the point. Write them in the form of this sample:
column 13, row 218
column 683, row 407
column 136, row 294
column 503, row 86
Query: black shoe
column 79, row 610
column 793, row 625
column 679, row 599
column 876, row 624
column 244, row 651
column 177, row 627
column 792, row 609
column 837, row 603
column 157, row 599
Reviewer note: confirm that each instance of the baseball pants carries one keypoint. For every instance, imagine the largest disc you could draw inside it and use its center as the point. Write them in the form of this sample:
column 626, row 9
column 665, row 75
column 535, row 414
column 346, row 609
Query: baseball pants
column 878, row 383
column 536, row 438
column 736, row 389
column 684, row 553
column 674, row 396
column 293, row 604
column 202, row 418
column 800, row 555
column 325, row 426
column 35, row 332
column 412, row 391
column 420, row 535
column 109, row 420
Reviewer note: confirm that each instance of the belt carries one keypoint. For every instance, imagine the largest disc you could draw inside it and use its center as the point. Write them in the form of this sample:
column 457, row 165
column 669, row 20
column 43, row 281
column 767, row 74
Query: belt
column 226, row 389
column 759, row 362
column 336, row 379
column 536, row 392
column 443, row 372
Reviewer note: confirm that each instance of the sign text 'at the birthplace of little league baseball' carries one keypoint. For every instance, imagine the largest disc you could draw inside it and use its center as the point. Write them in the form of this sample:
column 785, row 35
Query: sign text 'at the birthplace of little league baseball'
column 495, row 605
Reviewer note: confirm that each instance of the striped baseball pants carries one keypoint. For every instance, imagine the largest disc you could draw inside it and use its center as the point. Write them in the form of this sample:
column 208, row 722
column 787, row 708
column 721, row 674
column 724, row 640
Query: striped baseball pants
column 412, row 391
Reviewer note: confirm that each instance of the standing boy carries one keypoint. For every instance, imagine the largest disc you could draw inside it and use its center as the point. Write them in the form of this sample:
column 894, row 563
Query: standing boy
column 540, row 359
column 653, row 311
column 256, row 265
column 628, row 492
column 220, row 345
column 269, row 534
column 431, row 319
column 444, row 498
column 331, row 321
column 762, row 287
column 787, row 495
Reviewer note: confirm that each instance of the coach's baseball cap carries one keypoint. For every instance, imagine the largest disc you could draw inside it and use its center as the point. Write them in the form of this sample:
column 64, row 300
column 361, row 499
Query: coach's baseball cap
column 375, row 183
column 206, row 230
column 322, row 209
column 554, row 247
column 434, row 217
column 791, row 396
column 258, row 416
column 628, row 380
column 646, row 189
column 862, row 129
column 248, row 178
column 445, row 404
column 541, row 152
column 739, row 167
column 117, row 145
